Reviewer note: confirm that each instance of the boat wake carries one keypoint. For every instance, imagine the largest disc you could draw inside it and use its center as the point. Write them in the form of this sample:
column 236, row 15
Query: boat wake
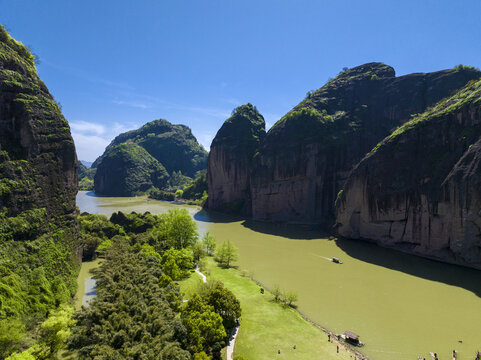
column 323, row 257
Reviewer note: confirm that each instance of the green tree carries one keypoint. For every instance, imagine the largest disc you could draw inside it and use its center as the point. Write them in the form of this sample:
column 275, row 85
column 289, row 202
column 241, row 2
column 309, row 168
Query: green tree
column 203, row 325
column 55, row 330
column 226, row 305
column 149, row 251
column 178, row 194
column 12, row 331
column 178, row 228
column 209, row 243
column 176, row 262
column 202, row 356
column 290, row 298
column 276, row 291
column 226, row 254
column 198, row 251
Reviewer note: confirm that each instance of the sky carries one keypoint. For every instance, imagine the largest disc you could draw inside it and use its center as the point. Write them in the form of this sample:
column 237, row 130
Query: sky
column 116, row 65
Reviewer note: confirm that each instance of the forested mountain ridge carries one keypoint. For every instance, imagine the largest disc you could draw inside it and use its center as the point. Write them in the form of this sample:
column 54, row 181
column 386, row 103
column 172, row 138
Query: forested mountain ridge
column 128, row 169
column 38, row 185
column 174, row 147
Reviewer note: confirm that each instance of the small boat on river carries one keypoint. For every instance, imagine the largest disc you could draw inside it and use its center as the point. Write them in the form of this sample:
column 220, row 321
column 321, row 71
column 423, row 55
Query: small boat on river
column 336, row 260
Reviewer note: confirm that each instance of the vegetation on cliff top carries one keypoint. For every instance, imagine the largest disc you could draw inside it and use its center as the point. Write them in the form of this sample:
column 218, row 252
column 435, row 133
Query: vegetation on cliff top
column 243, row 131
column 470, row 95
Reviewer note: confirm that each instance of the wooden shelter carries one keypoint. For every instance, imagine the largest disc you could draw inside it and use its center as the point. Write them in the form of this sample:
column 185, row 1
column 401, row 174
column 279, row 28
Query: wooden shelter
column 349, row 336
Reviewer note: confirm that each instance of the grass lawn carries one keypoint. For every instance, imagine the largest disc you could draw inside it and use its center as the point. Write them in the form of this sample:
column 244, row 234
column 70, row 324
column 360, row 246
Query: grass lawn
column 189, row 286
column 268, row 326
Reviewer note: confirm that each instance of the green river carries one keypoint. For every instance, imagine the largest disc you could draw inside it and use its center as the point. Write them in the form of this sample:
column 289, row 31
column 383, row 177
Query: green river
column 402, row 306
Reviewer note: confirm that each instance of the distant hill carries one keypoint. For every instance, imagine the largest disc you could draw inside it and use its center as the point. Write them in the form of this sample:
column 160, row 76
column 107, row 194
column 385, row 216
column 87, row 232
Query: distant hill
column 87, row 164
column 170, row 147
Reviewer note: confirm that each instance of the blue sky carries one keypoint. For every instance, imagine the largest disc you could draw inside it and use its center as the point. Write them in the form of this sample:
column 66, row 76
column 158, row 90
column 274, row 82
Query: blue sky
column 115, row 65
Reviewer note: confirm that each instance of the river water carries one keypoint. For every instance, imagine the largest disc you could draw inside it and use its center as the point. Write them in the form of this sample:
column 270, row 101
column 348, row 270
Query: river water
column 402, row 306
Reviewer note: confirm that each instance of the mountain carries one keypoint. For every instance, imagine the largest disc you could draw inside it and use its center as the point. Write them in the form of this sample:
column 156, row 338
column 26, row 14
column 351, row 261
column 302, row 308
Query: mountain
column 301, row 164
column 174, row 146
column 85, row 177
column 161, row 150
column 419, row 189
column 87, row 164
column 230, row 160
column 39, row 249
column 128, row 169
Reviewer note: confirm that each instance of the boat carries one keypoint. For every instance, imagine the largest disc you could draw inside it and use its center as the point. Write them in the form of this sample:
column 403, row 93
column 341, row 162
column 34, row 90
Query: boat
column 351, row 338
column 336, row 260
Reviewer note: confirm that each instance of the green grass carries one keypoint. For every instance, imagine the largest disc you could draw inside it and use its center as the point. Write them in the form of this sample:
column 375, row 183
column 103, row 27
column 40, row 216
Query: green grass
column 189, row 286
column 268, row 326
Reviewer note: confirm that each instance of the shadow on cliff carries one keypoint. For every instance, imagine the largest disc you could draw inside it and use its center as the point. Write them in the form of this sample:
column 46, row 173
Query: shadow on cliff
column 454, row 275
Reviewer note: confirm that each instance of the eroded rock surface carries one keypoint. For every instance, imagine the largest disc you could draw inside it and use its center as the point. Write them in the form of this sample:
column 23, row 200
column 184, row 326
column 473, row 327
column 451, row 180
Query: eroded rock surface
column 306, row 157
column 38, row 162
column 419, row 189
column 230, row 160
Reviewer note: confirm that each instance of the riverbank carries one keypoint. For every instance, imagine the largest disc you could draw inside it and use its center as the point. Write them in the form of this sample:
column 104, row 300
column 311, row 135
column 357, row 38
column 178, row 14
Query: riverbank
column 398, row 303
column 268, row 327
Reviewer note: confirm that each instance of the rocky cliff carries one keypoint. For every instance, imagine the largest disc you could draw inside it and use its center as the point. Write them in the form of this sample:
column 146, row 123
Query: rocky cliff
column 230, row 160
column 127, row 170
column 418, row 190
column 38, row 183
column 37, row 154
column 306, row 156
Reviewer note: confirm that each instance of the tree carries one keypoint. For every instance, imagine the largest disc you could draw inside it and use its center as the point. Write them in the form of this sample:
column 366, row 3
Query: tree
column 11, row 333
column 56, row 329
column 178, row 194
column 226, row 254
column 178, row 228
column 176, row 262
column 290, row 298
column 198, row 251
column 203, row 324
column 209, row 243
column 276, row 291
column 226, row 305
column 202, row 356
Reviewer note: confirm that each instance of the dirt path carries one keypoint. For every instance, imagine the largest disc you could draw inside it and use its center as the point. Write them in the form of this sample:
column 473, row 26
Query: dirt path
column 204, row 279
column 233, row 335
column 230, row 346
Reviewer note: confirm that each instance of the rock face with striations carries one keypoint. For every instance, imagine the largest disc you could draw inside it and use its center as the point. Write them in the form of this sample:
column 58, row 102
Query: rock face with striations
column 127, row 170
column 230, row 160
column 306, row 156
column 419, row 189
column 38, row 162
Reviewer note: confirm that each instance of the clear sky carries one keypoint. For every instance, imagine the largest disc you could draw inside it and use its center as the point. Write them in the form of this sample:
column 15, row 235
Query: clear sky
column 115, row 65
